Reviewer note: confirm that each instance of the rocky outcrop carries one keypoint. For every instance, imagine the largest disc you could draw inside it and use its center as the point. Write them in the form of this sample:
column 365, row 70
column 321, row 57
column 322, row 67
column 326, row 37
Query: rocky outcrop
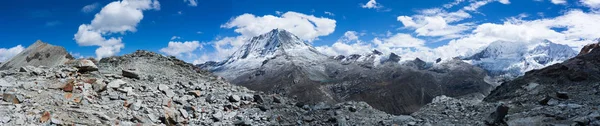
column 38, row 54
column 588, row 48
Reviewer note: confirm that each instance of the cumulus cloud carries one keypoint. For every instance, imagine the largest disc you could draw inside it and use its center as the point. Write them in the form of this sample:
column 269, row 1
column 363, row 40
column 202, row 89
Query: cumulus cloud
column 115, row 18
column 176, row 48
column 192, row 3
column 437, row 22
column 306, row 27
column 224, row 47
column 90, row 8
column 351, row 43
column 346, row 45
column 6, row 54
column 594, row 4
column 372, row 4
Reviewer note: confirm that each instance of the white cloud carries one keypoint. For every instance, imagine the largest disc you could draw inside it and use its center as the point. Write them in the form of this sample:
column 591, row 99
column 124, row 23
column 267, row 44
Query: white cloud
column 579, row 31
column 398, row 40
column 450, row 5
column 437, row 22
column 372, row 4
column 90, row 8
column 306, row 27
column 176, row 48
column 6, row 54
column 329, row 13
column 594, row 4
column 224, row 47
column 192, row 3
column 175, row 37
column 504, row 1
column 346, row 45
column 398, row 43
column 116, row 17
column 559, row 1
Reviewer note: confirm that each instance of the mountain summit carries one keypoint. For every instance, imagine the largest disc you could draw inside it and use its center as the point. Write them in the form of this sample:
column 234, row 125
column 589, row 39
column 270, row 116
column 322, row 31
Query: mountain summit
column 274, row 43
column 278, row 46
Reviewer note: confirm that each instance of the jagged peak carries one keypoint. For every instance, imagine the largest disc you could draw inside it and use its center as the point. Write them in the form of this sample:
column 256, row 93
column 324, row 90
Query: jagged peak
column 273, row 43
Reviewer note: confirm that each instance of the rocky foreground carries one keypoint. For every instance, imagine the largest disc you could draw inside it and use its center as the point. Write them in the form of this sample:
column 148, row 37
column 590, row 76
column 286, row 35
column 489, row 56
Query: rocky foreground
column 150, row 89
column 146, row 88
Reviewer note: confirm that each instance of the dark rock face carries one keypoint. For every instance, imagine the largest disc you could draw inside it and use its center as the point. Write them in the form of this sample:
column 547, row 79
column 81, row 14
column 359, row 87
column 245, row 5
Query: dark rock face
column 394, row 58
column 38, row 54
column 393, row 88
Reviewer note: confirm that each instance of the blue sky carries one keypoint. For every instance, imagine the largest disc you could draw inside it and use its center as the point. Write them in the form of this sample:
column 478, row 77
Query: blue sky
column 359, row 25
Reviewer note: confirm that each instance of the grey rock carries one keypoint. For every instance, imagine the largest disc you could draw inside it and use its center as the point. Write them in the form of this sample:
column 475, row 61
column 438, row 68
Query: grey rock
column 4, row 83
column 217, row 116
column 152, row 117
column 165, row 89
column 243, row 123
column 131, row 73
column 277, row 99
column 86, row 66
column 562, row 95
column 184, row 113
column 116, row 83
column 4, row 119
column 99, row 86
column 55, row 121
column 234, row 98
column 137, row 105
column 12, row 98
column 574, row 106
column 497, row 117
column 531, row 86
column 258, row 98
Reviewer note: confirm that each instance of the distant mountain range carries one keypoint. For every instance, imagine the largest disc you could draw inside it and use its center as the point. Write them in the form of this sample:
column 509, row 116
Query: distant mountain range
column 513, row 59
column 281, row 63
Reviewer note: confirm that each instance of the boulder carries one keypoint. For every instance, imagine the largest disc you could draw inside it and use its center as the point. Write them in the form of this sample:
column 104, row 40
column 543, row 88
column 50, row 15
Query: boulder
column 234, row 98
column 86, row 65
column 562, row 95
column 116, row 83
column 496, row 118
column 11, row 97
column 131, row 73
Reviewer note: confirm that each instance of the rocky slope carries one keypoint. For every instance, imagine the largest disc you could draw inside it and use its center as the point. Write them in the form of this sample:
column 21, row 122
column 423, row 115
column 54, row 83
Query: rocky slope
column 280, row 63
column 146, row 88
column 38, row 54
column 561, row 94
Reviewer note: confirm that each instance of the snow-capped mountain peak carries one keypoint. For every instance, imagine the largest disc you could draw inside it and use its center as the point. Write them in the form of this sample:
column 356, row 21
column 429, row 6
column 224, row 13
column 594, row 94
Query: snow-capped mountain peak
column 276, row 42
column 516, row 58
